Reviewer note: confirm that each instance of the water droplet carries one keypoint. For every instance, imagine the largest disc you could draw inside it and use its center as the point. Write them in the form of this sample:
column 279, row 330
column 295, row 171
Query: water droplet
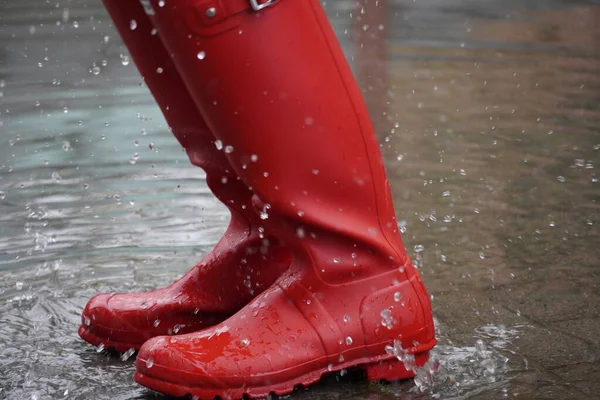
column 132, row 24
column 419, row 248
column 178, row 327
column 300, row 232
column 100, row 348
column 2, row 195
column 159, row 70
column 481, row 255
column 125, row 356
column 315, row 172
column 253, row 158
column 264, row 213
column 228, row 149
column 66, row 146
column 156, row 323
column 397, row 296
column 149, row 362
column 201, row 55
column 19, row 285
column 218, row 144
column 247, row 283
column 336, row 260
column 245, row 342
column 161, row 3
column 348, row 340
column 561, row 179
column 134, row 158
column 86, row 321
column 124, row 59
column 330, row 367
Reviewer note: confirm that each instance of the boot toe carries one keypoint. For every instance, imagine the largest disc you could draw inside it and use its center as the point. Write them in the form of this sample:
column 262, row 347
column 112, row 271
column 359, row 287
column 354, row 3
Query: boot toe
column 97, row 310
column 101, row 323
column 100, row 312
column 121, row 321
column 163, row 358
column 127, row 320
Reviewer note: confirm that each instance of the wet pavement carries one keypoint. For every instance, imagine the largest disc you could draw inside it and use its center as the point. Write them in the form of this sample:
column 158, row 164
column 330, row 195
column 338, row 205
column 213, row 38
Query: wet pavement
column 488, row 114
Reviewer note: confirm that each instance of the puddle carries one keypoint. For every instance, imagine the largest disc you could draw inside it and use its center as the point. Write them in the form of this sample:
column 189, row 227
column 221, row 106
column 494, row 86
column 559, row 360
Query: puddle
column 487, row 115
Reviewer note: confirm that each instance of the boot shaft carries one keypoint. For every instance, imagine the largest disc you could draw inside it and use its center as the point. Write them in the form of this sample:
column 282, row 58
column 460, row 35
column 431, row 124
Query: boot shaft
column 276, row 89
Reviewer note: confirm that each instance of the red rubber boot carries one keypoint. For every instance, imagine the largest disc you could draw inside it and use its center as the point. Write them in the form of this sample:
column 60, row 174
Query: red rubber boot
column 240, row 266
column 274, row 85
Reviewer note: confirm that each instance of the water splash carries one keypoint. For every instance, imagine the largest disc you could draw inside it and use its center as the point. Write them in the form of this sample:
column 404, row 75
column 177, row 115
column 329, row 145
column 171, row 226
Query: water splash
column 457, row 372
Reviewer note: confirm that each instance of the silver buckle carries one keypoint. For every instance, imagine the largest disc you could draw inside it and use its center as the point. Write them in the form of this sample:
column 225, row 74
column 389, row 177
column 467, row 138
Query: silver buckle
column 257, row 7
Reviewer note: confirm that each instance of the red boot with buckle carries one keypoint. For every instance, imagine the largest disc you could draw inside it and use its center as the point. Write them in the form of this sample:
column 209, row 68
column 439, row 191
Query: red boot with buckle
column 273, row 84
column 241, row 265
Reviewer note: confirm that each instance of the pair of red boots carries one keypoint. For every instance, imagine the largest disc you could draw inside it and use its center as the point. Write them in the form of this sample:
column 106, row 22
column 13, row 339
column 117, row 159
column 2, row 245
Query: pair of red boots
column 311, row 275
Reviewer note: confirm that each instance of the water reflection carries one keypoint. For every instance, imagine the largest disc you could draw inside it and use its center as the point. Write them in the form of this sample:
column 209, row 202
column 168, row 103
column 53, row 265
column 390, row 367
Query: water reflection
column 487, row 113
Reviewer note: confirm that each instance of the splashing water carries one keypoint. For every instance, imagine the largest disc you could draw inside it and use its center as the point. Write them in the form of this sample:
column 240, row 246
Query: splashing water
column 456, row 372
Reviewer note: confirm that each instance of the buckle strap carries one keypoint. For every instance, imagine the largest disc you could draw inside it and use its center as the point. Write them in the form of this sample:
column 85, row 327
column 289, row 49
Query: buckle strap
column 256, row 6
column 214, row 12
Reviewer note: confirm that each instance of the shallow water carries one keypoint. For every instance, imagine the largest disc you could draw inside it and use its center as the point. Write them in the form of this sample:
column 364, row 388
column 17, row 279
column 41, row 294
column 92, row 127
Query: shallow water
column 488, row 113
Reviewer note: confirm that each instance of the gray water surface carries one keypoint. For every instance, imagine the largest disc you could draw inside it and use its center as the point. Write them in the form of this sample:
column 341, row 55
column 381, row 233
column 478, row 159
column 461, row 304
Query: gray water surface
column 488, row 113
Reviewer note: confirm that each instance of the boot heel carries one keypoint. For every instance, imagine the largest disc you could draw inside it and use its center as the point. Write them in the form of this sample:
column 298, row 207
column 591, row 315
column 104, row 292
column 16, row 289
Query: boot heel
column 394, row 369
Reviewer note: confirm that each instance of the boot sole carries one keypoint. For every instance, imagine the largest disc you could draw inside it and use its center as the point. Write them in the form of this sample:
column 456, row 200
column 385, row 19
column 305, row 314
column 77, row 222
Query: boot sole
column 375, row 368
column 86, row 334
